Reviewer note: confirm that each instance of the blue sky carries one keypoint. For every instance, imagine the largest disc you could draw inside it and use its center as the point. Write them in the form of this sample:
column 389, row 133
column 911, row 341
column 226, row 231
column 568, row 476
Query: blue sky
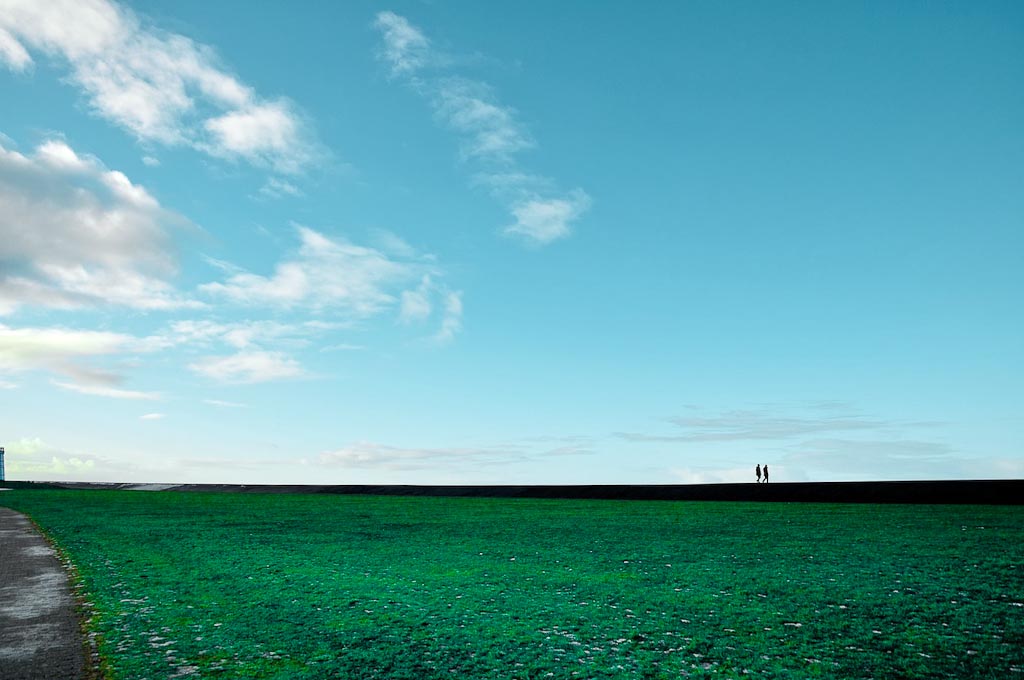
column 443, row 242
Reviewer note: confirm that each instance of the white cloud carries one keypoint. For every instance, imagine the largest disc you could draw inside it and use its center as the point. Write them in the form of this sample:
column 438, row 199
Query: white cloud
column 57, row 154
column 104, row 391
column 395, row 246
column 239, row 334
column 406, row 49
column 278, row 188
column 267, row 135
column 416, row 304
column 251, row 366
column 12, row 53
column 74, row 234
column 160, row 86
column 252, row 361
column 489, row 128
column 151, row 161
column 152, row 416
column 489, row 135
column 451, row 322
column 324, row 274
column 543, row 220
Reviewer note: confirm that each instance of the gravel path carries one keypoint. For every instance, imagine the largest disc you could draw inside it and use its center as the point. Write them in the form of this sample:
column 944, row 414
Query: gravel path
column 39, row 633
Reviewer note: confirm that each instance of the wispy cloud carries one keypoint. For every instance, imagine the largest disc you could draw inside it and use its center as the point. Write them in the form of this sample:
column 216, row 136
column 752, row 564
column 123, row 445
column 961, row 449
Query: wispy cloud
column 406, row 49
column 160, row 86
column 275, row 187
column 12, row 53
column 81, row 359
column 397, row 247
column 451, row 321
column 896, row 458
column 239, row 334
column 488, row 128
column 416, row 303
column 325, row 273
column 60, row 350
column 542, row 220
column 75, row 234
column 106, row 391
column 825, row 440
column 250, row 366
column 382, row 456
column 743, row 425
column 490, row 134
column 152, row 416
column 345, row 282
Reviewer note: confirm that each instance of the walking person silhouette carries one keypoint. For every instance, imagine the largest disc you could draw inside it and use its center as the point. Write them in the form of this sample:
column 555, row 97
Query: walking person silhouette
column 757, row 471
column 766, row 473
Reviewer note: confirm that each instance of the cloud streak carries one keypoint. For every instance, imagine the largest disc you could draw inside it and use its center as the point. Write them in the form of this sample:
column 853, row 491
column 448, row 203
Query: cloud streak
column 862, row 459
column 105, row 391
column 371, row 455
column 451, row 321
column 743, row 425
column 76, row 356
column 62, row 351
column 253, row 360
column 825, row 440
column 406, row 49
column 489, row 131
column 250, row 366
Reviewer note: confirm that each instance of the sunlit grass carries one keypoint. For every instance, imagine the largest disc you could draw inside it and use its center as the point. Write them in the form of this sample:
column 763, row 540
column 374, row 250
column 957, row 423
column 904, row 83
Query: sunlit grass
column 321, row 586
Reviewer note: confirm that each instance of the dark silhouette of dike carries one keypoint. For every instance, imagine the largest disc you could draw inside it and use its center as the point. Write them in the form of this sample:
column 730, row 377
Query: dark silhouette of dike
column 975, row 492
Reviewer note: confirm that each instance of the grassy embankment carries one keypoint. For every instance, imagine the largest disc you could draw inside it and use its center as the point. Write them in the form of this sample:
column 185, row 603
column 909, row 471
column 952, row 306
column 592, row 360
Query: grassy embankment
column 320, row 586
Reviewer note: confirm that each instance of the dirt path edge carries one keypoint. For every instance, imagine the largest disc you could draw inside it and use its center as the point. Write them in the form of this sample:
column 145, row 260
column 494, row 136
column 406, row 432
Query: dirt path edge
column 44, row 618
column 94, row 666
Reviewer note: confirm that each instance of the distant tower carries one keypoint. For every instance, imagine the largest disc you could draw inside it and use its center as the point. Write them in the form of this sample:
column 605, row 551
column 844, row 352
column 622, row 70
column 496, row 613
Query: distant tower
column 1, row 463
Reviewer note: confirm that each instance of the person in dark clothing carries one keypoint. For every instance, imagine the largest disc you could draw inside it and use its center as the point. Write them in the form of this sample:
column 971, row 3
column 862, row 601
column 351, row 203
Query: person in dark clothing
column 766, row 473
column 757, row 471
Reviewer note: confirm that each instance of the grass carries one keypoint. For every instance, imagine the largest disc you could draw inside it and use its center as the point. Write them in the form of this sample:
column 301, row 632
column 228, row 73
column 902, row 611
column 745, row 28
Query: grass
column 320, row 586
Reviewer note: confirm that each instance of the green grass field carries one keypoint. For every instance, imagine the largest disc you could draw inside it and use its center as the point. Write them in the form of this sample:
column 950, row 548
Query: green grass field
column 321, row 586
